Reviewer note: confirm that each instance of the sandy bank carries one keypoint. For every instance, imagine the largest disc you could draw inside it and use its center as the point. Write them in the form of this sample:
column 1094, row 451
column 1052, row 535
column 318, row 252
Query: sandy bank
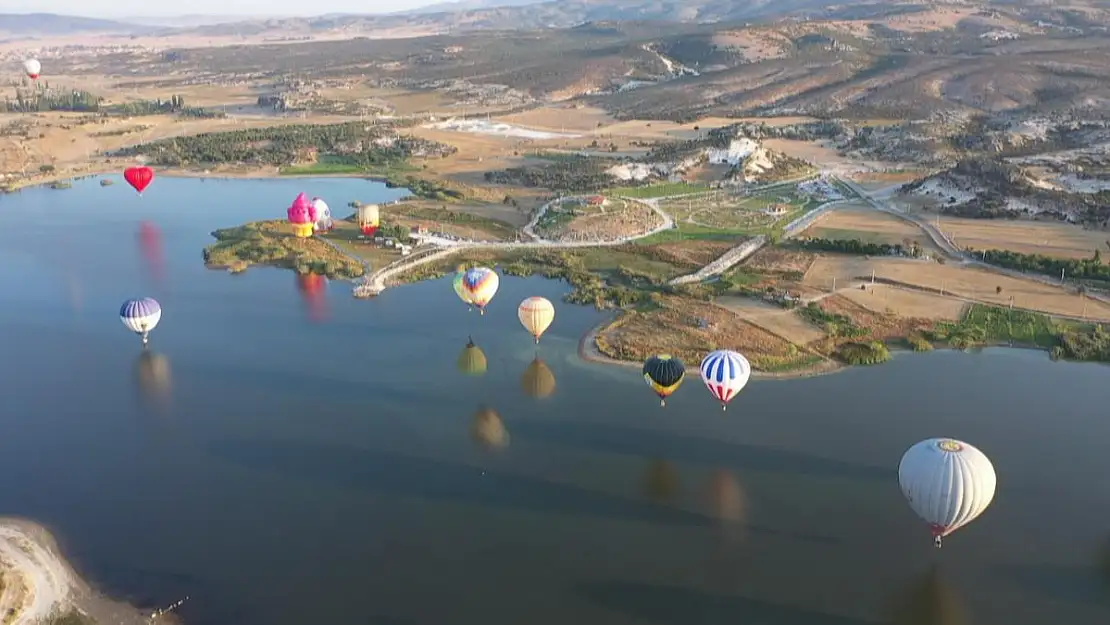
column 587, row 350
column 39, row 583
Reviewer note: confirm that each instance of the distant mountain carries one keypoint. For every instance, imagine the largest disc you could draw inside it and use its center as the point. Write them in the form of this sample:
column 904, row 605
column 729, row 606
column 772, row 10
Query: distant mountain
column 192, row 21
column 51, row 24
column 466, row 5
column 469, row 15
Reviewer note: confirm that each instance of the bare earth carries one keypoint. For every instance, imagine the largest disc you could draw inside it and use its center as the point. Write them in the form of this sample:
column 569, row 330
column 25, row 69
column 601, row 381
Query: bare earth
column 971, row 283
column 1027, row 237
column 780, row 321
column 869, row 226
column 38, row 583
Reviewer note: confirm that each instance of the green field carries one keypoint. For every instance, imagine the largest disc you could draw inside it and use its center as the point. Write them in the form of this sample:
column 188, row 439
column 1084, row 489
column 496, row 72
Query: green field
column 724, row 215
column 665, row 189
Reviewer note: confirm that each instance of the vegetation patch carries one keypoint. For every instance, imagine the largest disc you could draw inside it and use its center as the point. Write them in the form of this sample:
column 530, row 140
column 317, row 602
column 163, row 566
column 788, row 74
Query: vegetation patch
column 833, row 324
column 658, row 190
column 368, row 146
column 1092, row 268
column 273, row 243
column 859, row 248
column 871, row 353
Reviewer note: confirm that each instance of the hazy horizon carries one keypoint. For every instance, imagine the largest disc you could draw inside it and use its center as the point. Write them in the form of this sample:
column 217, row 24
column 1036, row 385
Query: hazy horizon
column 118, row 9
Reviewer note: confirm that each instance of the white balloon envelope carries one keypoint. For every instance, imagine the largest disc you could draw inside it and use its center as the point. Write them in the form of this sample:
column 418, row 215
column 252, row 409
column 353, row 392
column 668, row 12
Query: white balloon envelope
column 948, row 483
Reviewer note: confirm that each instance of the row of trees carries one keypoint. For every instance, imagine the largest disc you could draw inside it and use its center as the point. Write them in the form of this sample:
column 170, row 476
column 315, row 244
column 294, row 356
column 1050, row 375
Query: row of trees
column 862, row 248
column 1080, row 269
column 358, row 143
column 45, row 99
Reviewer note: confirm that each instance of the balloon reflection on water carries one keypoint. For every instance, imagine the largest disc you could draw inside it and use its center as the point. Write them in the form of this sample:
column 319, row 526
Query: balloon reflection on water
column 661, row 482
column 928, row 601
column 314, row 291
column 538, row 380
column 150, row 246
column 152, row 373
column 472, row 360
column 488, row 429
column 726, row 500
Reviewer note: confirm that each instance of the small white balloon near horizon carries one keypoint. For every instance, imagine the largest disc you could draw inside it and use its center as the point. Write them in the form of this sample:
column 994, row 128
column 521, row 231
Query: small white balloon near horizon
column 32, row 68
column 947, row 482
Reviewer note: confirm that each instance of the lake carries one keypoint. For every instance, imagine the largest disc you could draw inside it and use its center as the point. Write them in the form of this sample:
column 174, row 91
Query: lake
column 294, row 472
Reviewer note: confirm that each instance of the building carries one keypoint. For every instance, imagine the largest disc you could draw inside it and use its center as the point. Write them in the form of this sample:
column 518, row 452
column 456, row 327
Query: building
column 777, row 210
column 420, row 230
column 596, row 200
column 405, row 249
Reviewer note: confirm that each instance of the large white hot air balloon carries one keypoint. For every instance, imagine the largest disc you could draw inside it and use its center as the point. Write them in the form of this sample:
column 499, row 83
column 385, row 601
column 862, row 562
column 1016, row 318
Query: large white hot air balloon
column 32, row 68
column 323, row 216
column 725, row 374
column 948, row 483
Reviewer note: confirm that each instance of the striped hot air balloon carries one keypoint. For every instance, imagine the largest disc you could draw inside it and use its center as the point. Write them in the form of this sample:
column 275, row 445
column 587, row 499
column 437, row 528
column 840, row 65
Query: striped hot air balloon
column 141, row 316
column 725, row 374
column 480, row 285
column 536, row 315
column 460, row 288
column 664, row 374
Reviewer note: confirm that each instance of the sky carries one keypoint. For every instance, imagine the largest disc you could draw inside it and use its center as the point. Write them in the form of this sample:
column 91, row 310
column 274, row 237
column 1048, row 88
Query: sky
column 114, row 9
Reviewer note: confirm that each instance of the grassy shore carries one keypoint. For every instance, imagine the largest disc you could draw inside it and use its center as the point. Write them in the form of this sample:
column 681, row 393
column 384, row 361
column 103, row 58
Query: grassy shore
column 273, row 243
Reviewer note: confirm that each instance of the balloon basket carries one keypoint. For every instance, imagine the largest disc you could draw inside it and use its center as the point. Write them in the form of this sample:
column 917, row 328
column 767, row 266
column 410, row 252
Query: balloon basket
column 662, row 403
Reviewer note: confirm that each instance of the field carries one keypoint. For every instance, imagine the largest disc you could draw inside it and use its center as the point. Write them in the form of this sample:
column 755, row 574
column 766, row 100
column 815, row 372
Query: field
column 469, row 220
column 868, row 225
column 560, row 119
column 783, row 322
column 970, row 283
column 652, row 191
column 887, row 299
column 573, row 221
column 1058, row 240
column 733, row 214
column 345, row 235
column 696, row 328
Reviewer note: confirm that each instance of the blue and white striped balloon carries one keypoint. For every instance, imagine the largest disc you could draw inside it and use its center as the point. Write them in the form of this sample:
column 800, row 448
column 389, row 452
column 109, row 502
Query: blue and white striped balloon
column 140, row 315
column 725, row 374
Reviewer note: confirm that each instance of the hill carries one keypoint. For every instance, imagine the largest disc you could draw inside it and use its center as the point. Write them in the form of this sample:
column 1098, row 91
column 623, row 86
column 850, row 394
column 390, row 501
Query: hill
column 23, row 24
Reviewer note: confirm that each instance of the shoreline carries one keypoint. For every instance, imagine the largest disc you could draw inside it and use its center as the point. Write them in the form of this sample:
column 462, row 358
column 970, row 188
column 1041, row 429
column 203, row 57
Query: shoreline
column 39, row 583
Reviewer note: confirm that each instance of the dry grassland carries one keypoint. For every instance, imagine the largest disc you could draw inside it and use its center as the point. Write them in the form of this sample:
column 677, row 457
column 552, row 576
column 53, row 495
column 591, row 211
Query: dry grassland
column 879, row 325
column 780, row 321
column 780, row 260
column 882, row 298
column 971, row 283
column 560, row 119
column 690, row 253
column 869, row 226
column 635, row 336
column 1027, row 237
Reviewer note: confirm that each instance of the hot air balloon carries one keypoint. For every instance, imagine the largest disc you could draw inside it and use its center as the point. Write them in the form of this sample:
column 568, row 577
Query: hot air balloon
column 150, row 243
column 368, row 219
column 536, row 314
column 480, row 284
column 138, row 177
column 472, row 360
column 948, row 483
column 538, row 380
column 32, row 68
column 725, row 374
column 141, row 316
column 302, row 215
column 323, row 215
column 488, row 429
column 664, row 374
column 460, row 288
column 314, row 289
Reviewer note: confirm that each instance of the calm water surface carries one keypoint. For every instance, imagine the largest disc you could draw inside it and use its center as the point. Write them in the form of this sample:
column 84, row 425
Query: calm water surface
column 300, row 473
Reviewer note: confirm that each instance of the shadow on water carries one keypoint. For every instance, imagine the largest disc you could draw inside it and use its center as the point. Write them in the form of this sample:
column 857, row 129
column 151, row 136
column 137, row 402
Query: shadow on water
column 383, row 471
column 693, row 450
column 672, row 605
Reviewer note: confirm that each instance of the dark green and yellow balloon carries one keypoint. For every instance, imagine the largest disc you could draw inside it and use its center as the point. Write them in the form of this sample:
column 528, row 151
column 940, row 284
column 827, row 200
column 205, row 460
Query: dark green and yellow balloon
column 664, row 374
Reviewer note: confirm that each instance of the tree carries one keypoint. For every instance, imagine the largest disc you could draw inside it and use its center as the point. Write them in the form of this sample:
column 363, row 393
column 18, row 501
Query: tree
column 998, row 290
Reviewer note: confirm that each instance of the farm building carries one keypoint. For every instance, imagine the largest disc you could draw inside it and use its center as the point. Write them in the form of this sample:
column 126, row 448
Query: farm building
column 777, row 210
column 596, row 200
